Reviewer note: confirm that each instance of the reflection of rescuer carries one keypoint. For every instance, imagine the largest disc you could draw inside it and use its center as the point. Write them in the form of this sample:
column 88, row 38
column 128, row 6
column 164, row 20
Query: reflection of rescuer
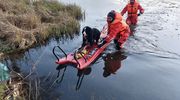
column 132, row 9
column 117, row 29
column 112, row 63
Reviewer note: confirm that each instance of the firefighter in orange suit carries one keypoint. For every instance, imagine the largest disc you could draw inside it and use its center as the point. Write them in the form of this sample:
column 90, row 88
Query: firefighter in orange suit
column 132, row 9
column 118, row 30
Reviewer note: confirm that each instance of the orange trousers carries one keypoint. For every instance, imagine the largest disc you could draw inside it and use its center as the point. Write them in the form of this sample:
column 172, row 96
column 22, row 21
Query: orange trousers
column 122, row 37
column 132, row 20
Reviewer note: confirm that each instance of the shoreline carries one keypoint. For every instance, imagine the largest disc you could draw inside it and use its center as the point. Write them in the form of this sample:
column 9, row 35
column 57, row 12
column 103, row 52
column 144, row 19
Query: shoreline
column 30, row 25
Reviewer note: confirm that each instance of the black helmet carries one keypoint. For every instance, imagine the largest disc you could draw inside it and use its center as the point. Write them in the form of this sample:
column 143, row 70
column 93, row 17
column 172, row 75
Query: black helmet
column 111, row 16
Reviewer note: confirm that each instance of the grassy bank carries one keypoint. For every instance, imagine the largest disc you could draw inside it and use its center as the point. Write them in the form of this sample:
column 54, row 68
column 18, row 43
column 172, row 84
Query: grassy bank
column 24, row 24
column 2, row 88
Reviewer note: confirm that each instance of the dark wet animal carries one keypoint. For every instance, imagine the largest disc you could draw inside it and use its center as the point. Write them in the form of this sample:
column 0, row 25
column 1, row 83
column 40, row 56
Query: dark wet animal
column 90, row 36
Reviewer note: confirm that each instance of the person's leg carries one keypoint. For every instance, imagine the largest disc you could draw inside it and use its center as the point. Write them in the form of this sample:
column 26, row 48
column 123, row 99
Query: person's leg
column 117, row 38
column 128, row 21
column 124, row 37
column 115, row 41
column 134, row 20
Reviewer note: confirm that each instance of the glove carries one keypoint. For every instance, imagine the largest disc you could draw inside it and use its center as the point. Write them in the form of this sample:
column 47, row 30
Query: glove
column 139, row 14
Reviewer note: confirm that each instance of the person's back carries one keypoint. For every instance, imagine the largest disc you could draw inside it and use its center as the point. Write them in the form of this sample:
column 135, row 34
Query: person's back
column 132, row 9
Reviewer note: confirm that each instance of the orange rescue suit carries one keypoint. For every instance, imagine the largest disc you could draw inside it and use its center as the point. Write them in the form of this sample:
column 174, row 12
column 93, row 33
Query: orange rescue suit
column 118, row 30
column 132, row 10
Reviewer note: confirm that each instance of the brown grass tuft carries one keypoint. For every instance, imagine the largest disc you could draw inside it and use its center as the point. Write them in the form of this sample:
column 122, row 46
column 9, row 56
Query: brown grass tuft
column 22, row 25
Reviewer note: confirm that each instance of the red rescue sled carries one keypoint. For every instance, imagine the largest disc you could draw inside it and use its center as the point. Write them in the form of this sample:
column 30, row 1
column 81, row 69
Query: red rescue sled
column 85, row 60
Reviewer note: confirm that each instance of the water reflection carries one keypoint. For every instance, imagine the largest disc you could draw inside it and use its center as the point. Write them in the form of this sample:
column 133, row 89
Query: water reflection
column 4, row 72
column 80, row 75
column 66, row 36
column 60, row 77
column 112, row 62
column 21, row 69
column 133, row 29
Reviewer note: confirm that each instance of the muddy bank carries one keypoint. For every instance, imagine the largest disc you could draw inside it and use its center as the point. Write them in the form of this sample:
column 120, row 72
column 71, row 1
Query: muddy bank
column 24, row 24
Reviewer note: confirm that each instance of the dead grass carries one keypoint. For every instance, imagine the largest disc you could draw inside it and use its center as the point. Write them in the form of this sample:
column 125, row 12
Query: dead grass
column 15, row 6
column 22, row 25
column 25, row 21
column 2, row 88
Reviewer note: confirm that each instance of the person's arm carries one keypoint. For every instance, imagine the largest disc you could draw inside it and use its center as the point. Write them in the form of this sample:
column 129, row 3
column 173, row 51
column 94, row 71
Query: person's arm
column 124, row 10
column 140, row 9
column 110, row 36
column 112, row 33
